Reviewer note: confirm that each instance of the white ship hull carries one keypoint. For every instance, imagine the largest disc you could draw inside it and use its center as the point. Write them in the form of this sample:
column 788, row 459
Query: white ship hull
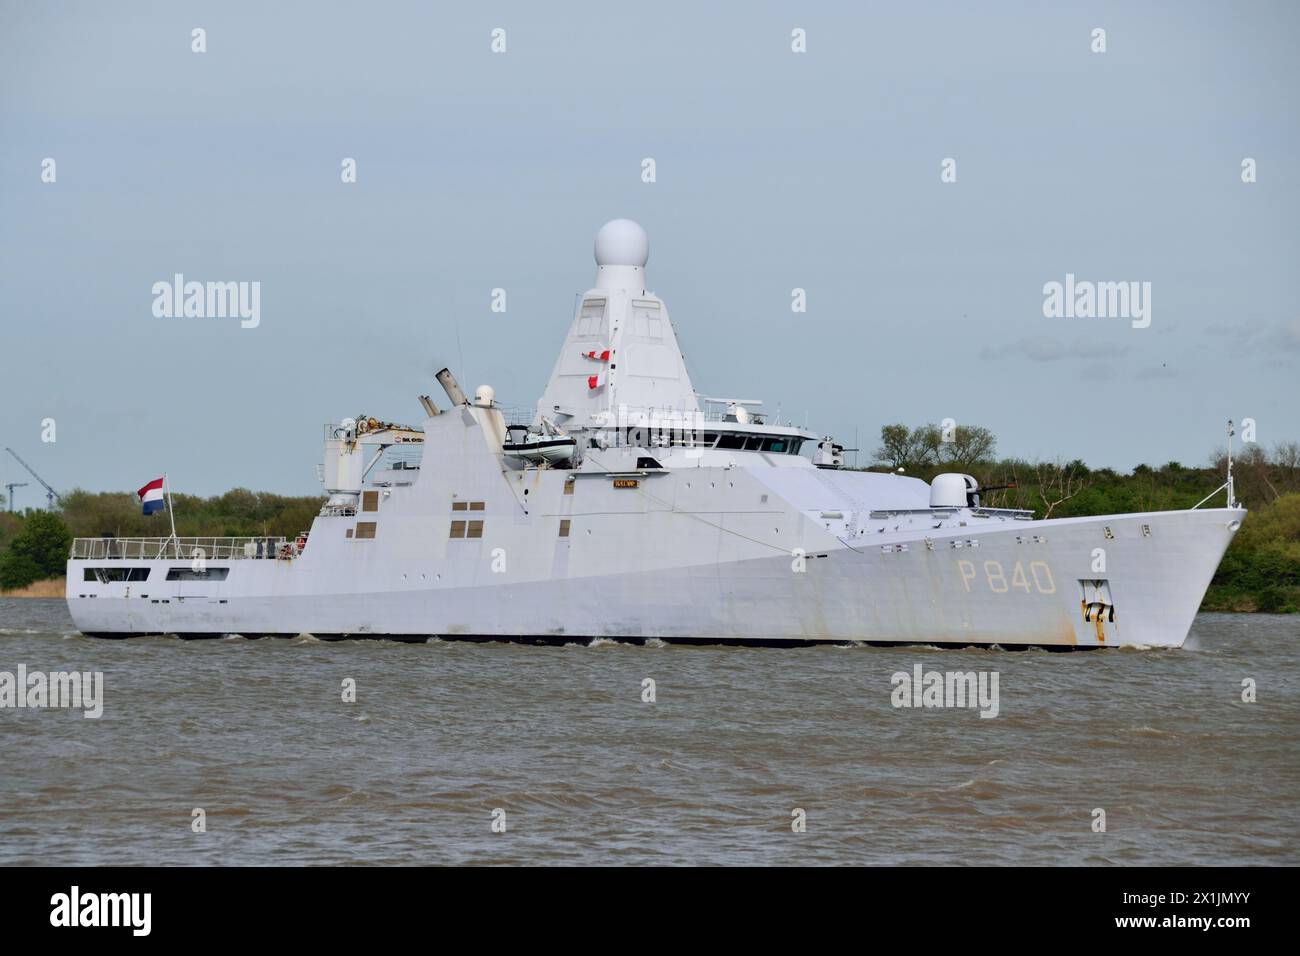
column 657, row 562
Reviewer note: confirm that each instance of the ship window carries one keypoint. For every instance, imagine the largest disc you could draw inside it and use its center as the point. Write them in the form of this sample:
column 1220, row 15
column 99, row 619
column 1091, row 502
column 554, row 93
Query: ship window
column 474, row 529
column 564, row 527
column 776, row 445
column 754, row 443
column 459, row 505
column 365, row 529
column 476, row 506
column 349, row 534
column 568, row 486
column 370, row 501
column 457, row 529
column 190, row 574
column 104, row 575
column 733, row 442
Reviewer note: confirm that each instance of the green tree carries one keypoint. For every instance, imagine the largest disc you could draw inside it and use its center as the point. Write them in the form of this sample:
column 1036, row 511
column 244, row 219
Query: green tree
column 38, row 551
column 896, row 446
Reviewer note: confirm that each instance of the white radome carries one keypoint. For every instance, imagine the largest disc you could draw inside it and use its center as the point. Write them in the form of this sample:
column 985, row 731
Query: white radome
column 622, row 242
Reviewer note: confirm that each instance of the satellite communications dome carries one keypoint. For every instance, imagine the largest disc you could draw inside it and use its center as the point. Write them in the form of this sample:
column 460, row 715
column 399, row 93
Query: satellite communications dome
column 622, row 242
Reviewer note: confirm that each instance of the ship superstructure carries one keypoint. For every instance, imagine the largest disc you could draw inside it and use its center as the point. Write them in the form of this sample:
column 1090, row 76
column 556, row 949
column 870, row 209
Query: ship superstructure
column 631, row 507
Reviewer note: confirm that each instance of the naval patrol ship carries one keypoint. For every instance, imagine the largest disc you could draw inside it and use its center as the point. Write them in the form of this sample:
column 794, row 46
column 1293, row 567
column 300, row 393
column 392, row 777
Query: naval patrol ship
column 630, row 507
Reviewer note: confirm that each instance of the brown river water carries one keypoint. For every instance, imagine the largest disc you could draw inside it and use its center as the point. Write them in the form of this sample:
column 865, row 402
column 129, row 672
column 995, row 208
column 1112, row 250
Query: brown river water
column 443, row 734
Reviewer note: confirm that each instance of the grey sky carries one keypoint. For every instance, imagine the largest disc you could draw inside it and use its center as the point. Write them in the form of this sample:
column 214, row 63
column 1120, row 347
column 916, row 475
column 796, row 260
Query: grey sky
column 775, row 170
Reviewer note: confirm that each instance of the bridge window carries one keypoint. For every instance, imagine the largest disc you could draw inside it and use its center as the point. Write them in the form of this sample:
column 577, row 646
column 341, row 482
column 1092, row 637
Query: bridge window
column 105, row 575
column 732, row 441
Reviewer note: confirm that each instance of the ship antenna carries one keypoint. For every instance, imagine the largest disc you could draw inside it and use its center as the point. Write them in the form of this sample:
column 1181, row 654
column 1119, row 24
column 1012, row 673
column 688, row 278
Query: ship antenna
column 1232, row 498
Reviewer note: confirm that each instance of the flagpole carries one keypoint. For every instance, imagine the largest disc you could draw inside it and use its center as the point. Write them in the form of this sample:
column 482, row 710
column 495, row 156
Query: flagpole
column 171, row 514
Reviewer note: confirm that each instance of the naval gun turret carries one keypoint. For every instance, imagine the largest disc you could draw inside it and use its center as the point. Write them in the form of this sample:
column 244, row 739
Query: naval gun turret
column 828, row 454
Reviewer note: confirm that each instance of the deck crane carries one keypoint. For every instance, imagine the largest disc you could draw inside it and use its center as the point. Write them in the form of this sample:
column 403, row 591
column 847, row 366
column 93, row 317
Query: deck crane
column 51, row 495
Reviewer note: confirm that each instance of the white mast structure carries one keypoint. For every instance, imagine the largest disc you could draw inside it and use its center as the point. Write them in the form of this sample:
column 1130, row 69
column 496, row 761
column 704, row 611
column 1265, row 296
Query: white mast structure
column 644, row 382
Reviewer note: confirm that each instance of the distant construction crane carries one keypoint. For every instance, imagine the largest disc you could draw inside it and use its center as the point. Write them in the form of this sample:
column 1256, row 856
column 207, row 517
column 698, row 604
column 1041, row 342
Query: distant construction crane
column 51, row 495
column 10, row 487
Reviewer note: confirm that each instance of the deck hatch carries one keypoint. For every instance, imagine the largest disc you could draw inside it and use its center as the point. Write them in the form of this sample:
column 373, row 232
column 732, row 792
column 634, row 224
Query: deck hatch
column 197, row 574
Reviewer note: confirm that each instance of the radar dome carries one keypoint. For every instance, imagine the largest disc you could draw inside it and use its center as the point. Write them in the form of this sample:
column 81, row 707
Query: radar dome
column 622, row 242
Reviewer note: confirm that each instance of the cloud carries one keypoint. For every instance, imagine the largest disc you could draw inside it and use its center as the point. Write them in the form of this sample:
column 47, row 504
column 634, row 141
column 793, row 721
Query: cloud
column 1287, row 337
column 1051, row 349
column 1255, row 336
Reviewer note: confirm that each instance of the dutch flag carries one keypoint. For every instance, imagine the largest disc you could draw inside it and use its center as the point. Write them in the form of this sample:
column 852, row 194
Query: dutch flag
column 151, row 496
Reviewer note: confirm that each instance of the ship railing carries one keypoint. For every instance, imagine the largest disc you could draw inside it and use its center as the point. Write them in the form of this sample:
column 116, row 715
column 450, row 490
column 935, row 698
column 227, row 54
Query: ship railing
column 710, row 413
column 517, row 414
column 1020, row 514
column 658, row 416
column 208, row 548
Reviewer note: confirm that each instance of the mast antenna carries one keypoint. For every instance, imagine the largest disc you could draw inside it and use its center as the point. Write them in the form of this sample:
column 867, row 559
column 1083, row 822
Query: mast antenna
column 1232, row 497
